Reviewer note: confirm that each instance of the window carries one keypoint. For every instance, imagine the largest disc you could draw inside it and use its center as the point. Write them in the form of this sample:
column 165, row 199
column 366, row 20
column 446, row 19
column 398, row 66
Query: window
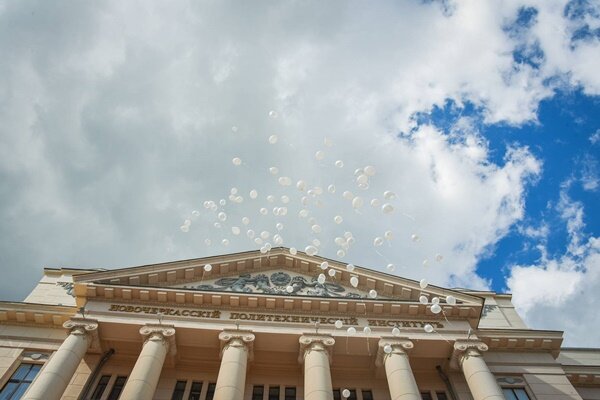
column 117, row 388
column 195, row 391
column 367, row 395
column 290, row 393
column 257, row 392
column 101, row 387
column 179, row 390
column 426, row 396
column 441, row 396
column 515, row 394
column 210, row 393
column 19, row 381
column 273, row 392
column 337, row 395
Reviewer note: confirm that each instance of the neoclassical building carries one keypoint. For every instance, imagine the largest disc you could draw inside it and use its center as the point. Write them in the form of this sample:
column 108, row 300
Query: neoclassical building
column 269, row 327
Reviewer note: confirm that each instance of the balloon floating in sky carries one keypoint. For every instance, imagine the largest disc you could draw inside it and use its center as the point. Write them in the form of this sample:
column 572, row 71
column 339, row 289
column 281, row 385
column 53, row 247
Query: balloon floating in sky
column 435, row 308
column 428, row 328
column 208, row 267
column 273, row 114
column 423, row 299
column 387, row 208
column 321, row 279
column 423, row 283
column 414, row 237
column 372, row 293
column 319, row 155
column 349, row 267
column 293, row 251
column 274, row 170
column 451, row 300
column 339, row 164
column 354, row 281
column 273, row 139
column 338, row 219
column 237, row 161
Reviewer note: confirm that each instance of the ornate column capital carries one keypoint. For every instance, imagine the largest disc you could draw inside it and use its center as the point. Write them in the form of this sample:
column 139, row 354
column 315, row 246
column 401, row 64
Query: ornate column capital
column 238, row 338
column 160, row 333
column 398, row 346
column 84, row 327
column 466, row 348
column 315, row 342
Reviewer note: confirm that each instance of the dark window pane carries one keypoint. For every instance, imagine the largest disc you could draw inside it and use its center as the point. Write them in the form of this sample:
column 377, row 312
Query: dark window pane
column 20, row 391
column 509, row 394
column 337, row 395
column 426, row 396
column 352, row 395
column 117, row 388
column 101, row 387
column 290, row 393
column 19, row 381
column 21, row 372
column 367, row 395
column 274, row 393
column 195, row 391
column 210, row 393
column 521, row 394
column 33, row 371
column 257, row 392
column 441, row 395
column 8, row 390
column 178, row 391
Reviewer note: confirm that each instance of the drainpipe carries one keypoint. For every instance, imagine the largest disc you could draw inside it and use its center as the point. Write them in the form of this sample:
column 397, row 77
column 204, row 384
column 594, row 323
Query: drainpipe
column 92, row 378
column 447, row 382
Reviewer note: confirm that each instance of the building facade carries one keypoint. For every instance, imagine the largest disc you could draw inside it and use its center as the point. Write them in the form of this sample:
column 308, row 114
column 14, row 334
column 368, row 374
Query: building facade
column 268, row 326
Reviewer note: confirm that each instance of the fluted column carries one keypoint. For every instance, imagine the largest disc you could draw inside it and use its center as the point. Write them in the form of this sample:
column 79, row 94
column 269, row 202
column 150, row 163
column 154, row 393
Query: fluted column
column 315, row 353
column 158, row 341
column 482, row 383
column 57, row 373
column 236, row 351
column 393, row 354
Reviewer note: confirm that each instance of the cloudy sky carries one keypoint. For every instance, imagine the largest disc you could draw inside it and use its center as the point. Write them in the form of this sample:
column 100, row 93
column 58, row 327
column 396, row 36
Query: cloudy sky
column 120, row 120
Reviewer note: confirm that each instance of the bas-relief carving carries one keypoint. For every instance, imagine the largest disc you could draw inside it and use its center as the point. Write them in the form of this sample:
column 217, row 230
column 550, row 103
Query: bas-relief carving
column 276, row 283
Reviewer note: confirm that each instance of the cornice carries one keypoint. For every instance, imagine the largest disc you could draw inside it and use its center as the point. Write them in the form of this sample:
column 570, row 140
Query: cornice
column 522, row 340
column 32, row 314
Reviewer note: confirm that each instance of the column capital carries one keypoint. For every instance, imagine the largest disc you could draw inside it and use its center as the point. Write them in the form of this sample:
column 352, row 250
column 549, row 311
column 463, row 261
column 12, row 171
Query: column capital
column 466, row 348
column 398, row 346
column 84, row 327
column 315, row 342
column 160, row 333
column 238, row 338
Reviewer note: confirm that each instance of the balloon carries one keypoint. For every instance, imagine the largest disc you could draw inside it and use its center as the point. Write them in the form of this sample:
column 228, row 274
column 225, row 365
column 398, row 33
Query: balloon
column 451, row 300
column 217, row 225
column 351, row 330
column 358, row 171
column 273, row 139
column 388, row 235
column 370, row 170
column 423, row 299
column 258, row 241
column 354, row 281
column 285, row 181
column 338, row 324
column 375, row 203
column 184, row 228
column 338, row 219
column 276, row 211
column 195, row 213
column 264, row 211
column 436, row 308
column 316, row 242
column 283, row 210
column 439, row 258
column 277, row 239
column 235, row 230
column 339, row 164
column 208, row 267
column 206, row 204
column 435, row 300
column 347, row 195
column 239, row 199
column 319, row 155
column 316, row 228
column 362, row 179
column 253, row 194
column 245, row 220
column 347, row 235
column 428, row 328
column 233, row 190
column 357, row 202
column 372, row 293
column 207, row 242
column 363, row 186
column 285, row 199
column 341, row 253
column 331, row 272
column 273, row 114
column 328, row 142
column 387, row 208
column 387, row 349
column 367, row 330
column 324, row 265
column 237, row 161
column 271, row 198
column 345, row 393
column 423, row 283
column 414, row 237
column 263, row 250
column 250, row 233
column 234, row 129
column 274, row 170
column 268, row 246
column 391, row 267
column 389, row 195
column 293, row 251
column 396, row 331
column 279, row 226
column 331, row 188
column 187, row 222
column 289, row 289
column 318, row 190
column 349, row 267
column 303, row 213
column 265, row 234
column 350, row 240
column 310, row 250
column 339, row 241
column 377, row 241
column 222, row 216
column 301, row 185
column 425, row 262
column 321, row 279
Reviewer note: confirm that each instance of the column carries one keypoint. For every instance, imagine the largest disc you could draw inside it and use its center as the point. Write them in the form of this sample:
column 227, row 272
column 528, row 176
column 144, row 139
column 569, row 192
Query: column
column 58, row 371
column 159, row 340
column 393, row 354
column 481, row 381
column 315, row 353
column 236, row 351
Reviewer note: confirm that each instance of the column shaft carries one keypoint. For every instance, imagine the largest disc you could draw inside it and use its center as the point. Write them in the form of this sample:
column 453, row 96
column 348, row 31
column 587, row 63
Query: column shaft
column 52, row 381
column 232, row 373
column 143, row 379
column 401, row 380
column 317, row 376
column 480, row 379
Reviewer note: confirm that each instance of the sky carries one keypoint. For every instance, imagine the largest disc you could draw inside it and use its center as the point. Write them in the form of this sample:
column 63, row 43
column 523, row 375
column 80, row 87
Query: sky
column 458, row 141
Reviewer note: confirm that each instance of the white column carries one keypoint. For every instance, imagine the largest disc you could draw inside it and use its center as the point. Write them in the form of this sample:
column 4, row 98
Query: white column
column 236, row 351
column 158, row 341
column 393, row 354
column 315, row 353
column 481, row 381
column 58, row 372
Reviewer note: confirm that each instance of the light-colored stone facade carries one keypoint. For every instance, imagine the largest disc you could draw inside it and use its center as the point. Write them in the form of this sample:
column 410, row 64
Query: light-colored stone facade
column 257, row 321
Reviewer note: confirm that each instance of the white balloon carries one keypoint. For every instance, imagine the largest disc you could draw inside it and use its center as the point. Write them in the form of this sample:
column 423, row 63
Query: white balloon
column 319, row 155
column 372, row 293
column 277, row 239
column 316, row 242
column 339, row 164
column 239, row 199
column 234, row 129
column 351, row 330
column 271, row 198
column 435, row 308
column 331, row 188
column 195, row 213
column 233, row 190
column 428, row 328
column 310, row 250
column 345, row 393
column 235, row 230
column 208, row 267
column 245, row 220
column 347, row 235
column 303, row 213
column 253, row 194
column 357, row 202
column 338, row 324
column 363, row 186
column 328, row 142
column 276, row 211
column 425, row 262
column 184, row 228
column 237, row 161
column 301, row 185
column 264, row 211
column 318, row 190
column 341, row 253
column 387, row 349
column 377, row 241
column 375, row 203
column 321, row 279
column 435, row 300
column 279, row 226
column 285, row 199
column 207, row 242
column 414, row 237
column 338, row 219
column 217, row 225
column 451, row 300
column 268, row 246
column 331, row 272
column 273, row 139
column 396, row 331
column 347, row 195
column 258, row 241
column 339, row 241
column 367, row 330
column 274, row 170
column 324, row 265
column 423, row 283
column 391, row 267
column 358, row 171
column 349, row 267
column 354, row 281
column 423, row 299
column 285, row 181
column 293, row 251
column 370, row 170
column 283, row 210
column 265, row 234
column 273, row 114
column 388, row 235
column 350, row 240
column 250, row 233
column 316, row 228
column 362, row 179
column 387, row 208
column 206, row 204
column 225, row 242
column 187, row 222
column 289, row 289
column 389, row 195
column 222, row 216
column 439, row 258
